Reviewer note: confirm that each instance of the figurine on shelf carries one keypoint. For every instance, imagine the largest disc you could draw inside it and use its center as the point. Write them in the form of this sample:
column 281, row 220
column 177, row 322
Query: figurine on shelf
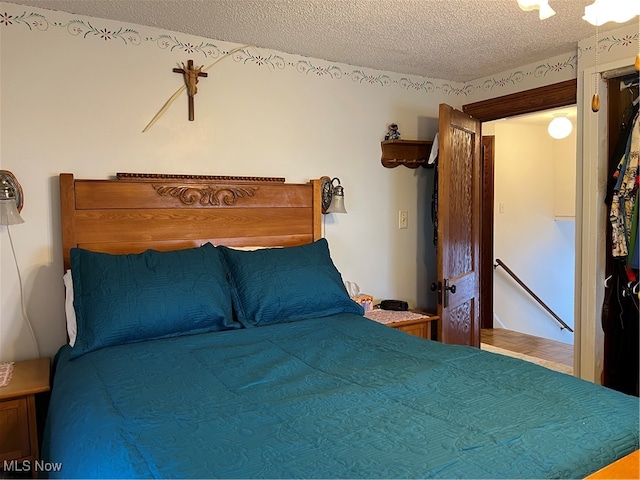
column 393, row 133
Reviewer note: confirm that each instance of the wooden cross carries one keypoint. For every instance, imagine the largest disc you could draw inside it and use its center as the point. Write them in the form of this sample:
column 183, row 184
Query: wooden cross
column 191, row 79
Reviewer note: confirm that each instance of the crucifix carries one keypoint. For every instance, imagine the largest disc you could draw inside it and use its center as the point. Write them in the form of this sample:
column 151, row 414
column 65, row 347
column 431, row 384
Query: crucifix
column 191, row 79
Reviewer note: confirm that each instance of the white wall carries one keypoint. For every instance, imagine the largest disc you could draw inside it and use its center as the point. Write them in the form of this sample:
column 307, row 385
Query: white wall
column 75, row 93
column 539, row 249
column 564, row 178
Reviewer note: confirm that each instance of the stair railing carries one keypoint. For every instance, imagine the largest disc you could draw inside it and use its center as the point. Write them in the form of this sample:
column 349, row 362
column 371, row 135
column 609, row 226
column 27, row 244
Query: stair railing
column 500, row 263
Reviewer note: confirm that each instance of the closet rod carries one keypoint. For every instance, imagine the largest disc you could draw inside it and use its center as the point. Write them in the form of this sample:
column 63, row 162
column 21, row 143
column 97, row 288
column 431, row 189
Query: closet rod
column 618, row 72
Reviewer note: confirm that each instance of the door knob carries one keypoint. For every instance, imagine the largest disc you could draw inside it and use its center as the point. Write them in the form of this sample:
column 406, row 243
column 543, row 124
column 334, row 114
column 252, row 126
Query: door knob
column 437, row 287
column 447, row 288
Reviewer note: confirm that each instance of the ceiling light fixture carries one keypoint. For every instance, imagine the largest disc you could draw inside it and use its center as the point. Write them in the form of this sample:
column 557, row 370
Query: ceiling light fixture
column 603, row 11
column 560, row 127
column 599, row 13
column 545, row 11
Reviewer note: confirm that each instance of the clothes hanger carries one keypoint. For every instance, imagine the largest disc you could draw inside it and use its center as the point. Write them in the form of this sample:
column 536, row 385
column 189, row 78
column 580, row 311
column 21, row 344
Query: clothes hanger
column 629, row 83
column 606, row 281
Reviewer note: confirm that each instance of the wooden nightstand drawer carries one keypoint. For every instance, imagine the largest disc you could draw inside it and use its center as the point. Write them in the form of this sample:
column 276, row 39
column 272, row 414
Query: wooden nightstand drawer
column 419, row 329
column 411, row 322
column 15, row 433
column 19, row 440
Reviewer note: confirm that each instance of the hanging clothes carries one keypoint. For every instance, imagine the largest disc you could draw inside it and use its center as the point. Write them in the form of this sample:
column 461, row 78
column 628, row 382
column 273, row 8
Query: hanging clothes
column 620, row 322
column 634, row 257
column 624, row 195
column 620, row 149
column 433, row 162
column 621, row 337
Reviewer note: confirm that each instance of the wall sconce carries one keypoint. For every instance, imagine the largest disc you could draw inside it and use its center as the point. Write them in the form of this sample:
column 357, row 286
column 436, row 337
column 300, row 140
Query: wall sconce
column 560, row 127
column 332, row 196
column 11, row 199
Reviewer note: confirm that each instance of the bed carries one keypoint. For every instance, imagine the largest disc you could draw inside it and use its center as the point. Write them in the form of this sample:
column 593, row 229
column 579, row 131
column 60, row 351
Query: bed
column 214, row 338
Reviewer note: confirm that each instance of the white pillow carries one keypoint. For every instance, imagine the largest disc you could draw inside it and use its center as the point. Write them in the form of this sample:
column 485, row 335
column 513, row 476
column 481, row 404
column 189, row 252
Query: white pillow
column 70, row 312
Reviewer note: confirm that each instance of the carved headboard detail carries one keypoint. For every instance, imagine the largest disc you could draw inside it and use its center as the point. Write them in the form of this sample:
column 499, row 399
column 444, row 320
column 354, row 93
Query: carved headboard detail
column 136, row 212
column 206, row 195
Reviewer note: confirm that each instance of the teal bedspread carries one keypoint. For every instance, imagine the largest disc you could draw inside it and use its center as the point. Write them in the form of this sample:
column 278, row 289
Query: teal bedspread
column 332, row 397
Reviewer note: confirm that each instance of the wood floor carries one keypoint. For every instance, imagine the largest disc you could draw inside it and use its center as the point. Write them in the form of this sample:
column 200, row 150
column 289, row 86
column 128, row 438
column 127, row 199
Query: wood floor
column 529, row 345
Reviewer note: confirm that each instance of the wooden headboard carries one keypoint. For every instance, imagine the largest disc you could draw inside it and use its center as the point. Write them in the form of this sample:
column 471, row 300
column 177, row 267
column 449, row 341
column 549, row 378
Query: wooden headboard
column 135, row 212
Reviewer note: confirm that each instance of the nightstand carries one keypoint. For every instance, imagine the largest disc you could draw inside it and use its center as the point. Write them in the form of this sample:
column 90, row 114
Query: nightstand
column 18, row 424
column 412, row 322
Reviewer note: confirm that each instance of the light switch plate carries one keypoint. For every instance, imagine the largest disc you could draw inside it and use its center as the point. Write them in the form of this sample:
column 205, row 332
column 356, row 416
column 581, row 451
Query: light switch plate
column 403, row 219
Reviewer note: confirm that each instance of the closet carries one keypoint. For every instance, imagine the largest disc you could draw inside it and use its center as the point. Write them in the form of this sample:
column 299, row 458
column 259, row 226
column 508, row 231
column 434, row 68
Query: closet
column 620, row 314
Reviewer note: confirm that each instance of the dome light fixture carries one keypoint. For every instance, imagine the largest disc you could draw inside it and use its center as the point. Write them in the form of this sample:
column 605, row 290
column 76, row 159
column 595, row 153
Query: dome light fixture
column 560, row 127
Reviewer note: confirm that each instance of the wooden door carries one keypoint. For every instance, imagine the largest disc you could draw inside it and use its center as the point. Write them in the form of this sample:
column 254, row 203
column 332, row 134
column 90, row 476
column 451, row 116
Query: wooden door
column 459, row 183
column 486, row 232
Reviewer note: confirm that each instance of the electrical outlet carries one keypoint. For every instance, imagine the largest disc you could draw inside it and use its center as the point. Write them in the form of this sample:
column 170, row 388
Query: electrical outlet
column 403, row 219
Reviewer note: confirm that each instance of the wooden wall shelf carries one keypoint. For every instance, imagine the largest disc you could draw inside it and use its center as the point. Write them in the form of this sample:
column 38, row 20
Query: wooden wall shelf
column 410, row 153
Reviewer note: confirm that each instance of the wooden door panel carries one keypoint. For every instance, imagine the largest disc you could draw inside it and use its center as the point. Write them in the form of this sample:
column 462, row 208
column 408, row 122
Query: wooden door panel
column 460, row 328
column 461, row 307
column 459, row 184
column 459, row 252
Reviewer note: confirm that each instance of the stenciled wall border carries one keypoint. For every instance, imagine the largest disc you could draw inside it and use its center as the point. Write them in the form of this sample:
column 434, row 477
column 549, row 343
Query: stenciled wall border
column 559, row 68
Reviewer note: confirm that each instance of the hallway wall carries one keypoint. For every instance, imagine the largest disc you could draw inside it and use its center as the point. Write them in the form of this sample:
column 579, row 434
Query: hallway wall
column 534, row 184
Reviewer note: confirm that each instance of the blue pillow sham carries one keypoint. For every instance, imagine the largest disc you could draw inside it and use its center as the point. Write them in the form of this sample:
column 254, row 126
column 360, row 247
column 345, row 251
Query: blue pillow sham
column 128, row 298
column 276, row 285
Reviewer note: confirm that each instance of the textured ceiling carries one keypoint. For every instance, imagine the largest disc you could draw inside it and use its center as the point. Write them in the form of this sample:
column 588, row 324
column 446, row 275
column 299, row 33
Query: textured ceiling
column 458, row 40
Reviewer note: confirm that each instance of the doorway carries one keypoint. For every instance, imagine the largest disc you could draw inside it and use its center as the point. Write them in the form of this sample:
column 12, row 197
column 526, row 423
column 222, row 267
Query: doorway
column 534, row 225
column 535, row 100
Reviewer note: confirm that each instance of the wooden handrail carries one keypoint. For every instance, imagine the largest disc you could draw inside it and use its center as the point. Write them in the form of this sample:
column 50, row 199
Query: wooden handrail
column 500, row 263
